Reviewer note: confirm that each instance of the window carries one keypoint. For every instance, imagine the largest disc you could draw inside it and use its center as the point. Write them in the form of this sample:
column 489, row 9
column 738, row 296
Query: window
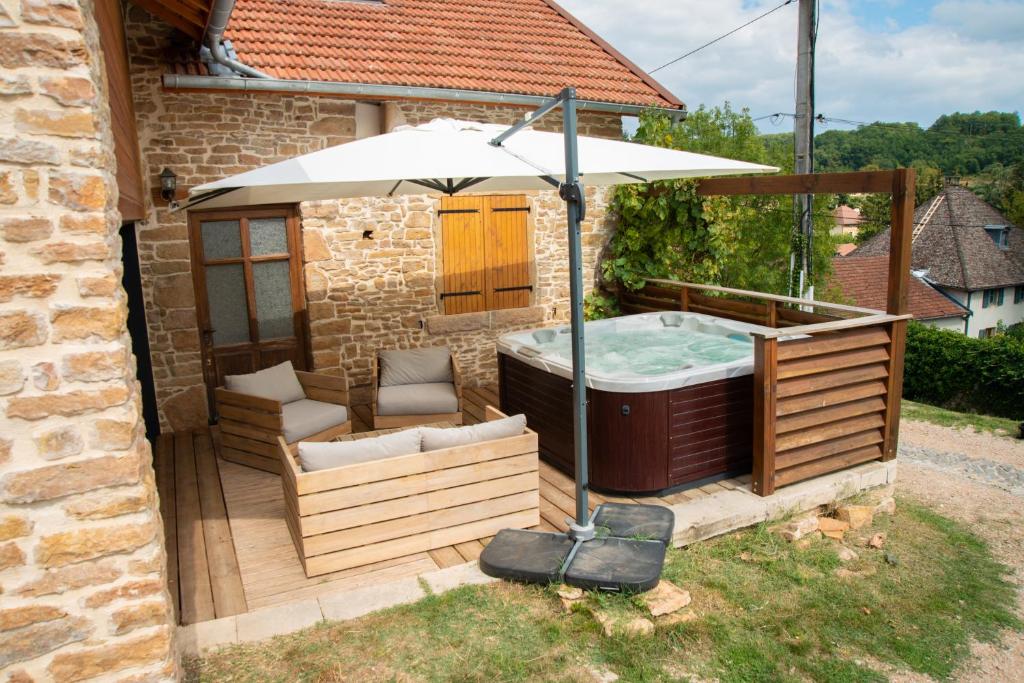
column 1000, row 234
column 987, row 332
column 485, row 253
column 1018, row 294
column 992, row 297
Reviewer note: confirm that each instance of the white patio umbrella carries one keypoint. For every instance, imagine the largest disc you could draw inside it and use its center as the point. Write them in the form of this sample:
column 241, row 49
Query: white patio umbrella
column 449, row 156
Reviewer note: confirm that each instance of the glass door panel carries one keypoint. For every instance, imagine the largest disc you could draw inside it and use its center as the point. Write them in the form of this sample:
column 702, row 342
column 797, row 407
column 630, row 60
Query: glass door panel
column 268, row 236
column 229, row 317
column 221, row 240
column 272, row 285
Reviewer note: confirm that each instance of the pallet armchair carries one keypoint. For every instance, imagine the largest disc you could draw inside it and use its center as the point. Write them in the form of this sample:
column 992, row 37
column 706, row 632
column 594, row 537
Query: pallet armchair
column 251, row 426
column 374, row 507
column 415, row 387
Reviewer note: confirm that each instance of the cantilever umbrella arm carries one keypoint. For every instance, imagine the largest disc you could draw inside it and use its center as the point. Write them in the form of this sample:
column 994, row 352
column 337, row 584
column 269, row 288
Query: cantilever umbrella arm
column 571, row 191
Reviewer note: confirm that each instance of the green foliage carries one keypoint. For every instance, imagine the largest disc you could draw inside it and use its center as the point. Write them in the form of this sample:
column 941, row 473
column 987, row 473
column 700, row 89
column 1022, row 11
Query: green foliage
column 958, row 372
column 599, row 305
column 667, row 231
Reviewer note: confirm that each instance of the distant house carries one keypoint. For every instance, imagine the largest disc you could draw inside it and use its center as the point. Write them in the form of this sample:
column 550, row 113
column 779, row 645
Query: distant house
column 863, row 281
column 847, row 220
column 845, row 249
column 969, row 251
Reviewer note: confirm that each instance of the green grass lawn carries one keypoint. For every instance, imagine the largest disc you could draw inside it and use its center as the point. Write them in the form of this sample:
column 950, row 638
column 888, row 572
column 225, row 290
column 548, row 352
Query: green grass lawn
column 948, row 418
column 765, row 610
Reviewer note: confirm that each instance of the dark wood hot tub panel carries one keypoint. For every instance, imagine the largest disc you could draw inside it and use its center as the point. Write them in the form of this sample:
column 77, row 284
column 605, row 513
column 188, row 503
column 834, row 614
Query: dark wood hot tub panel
column 639, row 443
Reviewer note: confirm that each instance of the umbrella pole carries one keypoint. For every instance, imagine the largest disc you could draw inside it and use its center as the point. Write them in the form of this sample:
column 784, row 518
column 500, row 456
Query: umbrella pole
column 575, row 208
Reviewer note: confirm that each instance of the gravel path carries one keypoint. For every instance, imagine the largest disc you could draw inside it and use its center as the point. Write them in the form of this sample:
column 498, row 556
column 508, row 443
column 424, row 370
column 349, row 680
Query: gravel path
column 977, row 479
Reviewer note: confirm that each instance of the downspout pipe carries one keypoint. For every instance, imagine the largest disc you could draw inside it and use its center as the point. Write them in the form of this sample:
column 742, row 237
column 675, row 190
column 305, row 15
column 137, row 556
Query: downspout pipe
column 220, row 13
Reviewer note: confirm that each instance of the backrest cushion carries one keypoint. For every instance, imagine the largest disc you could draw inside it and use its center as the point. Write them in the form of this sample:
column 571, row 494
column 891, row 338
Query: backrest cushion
column 436, row 438
column 278, row 382
column 415, row 366
column 314, row 455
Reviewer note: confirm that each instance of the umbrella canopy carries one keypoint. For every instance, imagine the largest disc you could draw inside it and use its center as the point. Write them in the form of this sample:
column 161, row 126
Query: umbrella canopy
column 447, row 155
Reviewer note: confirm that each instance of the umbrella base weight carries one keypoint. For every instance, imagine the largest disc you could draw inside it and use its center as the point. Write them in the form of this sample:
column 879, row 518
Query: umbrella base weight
column 628, row 555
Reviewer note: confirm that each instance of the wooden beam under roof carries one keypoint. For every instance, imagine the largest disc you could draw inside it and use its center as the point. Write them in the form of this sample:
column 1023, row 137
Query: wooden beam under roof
column 188, row 16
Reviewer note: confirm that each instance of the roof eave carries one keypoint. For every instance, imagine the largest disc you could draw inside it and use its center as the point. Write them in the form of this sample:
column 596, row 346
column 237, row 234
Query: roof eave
column 377, row 91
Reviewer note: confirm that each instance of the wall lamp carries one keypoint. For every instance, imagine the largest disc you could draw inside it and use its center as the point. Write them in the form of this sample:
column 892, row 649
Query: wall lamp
column 168, row 185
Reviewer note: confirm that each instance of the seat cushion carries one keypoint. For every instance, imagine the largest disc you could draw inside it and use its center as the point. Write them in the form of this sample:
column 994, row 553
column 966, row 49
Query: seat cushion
column 324, row 455
column 307, row 417
column 436, row 438
column 417, row 399
column 416, row 366
column 278, row 382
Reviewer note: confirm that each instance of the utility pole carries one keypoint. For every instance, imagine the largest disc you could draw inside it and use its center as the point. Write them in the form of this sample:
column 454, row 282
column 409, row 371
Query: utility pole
column 803, row 129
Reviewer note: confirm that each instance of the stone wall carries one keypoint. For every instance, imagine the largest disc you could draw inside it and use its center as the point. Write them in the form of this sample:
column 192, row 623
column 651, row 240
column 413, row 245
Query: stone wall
column 82, row 563
column 363, row 294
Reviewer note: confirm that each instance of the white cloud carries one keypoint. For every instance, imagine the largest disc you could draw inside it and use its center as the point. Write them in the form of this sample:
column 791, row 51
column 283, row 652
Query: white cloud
column 965, row 56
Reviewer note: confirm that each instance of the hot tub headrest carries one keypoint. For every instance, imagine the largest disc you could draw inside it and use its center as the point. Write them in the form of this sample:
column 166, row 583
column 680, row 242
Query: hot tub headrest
column 672, row 319
column 544, row 336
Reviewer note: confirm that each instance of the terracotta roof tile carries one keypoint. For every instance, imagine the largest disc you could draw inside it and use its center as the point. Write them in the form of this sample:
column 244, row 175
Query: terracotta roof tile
column 515, row 46
column 863, row 280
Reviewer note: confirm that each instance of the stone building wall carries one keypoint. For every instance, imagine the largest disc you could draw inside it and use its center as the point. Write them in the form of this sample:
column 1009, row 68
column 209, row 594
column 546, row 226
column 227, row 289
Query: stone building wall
column 362, row 294
column 82, row 563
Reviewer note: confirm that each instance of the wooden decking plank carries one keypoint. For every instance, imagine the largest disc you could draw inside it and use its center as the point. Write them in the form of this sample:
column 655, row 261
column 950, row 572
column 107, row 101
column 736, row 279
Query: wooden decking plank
column 470, row 550
column 472, row 404
column 447, row 556
column 225, row 578
column 550, row 513
column 193, row 570
column 490, row 395
column 164, row 468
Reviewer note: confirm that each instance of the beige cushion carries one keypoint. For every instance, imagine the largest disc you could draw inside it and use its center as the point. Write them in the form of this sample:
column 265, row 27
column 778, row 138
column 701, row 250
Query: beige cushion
column 415, row 366
column 435, row 438
column 307, row 417
column 417, row 399
column 278, row 382
column 315, row 455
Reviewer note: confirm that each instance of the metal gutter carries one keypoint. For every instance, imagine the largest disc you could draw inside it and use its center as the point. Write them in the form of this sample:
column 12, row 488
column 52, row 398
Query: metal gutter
column 376, row 91
column 220, row 13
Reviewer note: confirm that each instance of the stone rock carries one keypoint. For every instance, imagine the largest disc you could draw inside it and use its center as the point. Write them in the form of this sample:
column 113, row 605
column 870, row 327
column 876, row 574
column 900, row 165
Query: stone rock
column 112, row 505
column 677, row 618
column 833, row 528
column 798, row 528
column 121, row 654
column 845, row 554
column 72, row 403
column 174, row 291
column 187, row 410
column 72, row 577
column 314, row 247
column 19, row 329
column 67, row 547
column 876, row 541
column 139, row 616
column 570, row 592
column 20, row 617
column 635, row 626
column 94, row 366
column 84, row 223
column 13, row 84
column 12, row 378
column 886, row 506
column 65, row 479
column 102, row 285
column 131, row 590
column 71, row 91
column 116, row 435
column 639, row 626
column 62, row 123
column 31, row 285
column 856, row 516
column 26, row 228
column 88, row 322
column 11, row 556
column 462, row 322
column 13, row 526
column 45, row 377
column 665, row 598
column 37, row 639
column 72, row 252
column 20, row 151
column 63, row 13
column 61, row 442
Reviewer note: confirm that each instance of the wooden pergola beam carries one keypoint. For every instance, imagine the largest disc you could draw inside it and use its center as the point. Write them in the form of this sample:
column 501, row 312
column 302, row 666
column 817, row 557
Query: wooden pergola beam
column 812, row 183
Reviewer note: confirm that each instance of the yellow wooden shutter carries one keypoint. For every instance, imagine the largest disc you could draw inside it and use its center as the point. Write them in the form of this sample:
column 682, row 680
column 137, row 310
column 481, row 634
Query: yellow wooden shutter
column 462, row 254
column 507, row 252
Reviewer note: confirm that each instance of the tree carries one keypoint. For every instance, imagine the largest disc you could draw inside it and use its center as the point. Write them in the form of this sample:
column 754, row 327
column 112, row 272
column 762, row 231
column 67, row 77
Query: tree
column 667, row 231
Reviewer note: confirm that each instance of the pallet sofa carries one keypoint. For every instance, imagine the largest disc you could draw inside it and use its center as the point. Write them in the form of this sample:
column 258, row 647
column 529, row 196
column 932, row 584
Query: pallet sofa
column 415, row 387
column 377, row 510
column 250, row 426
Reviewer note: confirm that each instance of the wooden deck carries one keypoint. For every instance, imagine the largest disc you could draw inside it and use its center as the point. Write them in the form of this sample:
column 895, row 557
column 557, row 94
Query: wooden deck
column 228, row 546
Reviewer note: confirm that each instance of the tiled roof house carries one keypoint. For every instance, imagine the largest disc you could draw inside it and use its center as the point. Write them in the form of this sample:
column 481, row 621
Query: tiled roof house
column 969, row 251
column 118, row 315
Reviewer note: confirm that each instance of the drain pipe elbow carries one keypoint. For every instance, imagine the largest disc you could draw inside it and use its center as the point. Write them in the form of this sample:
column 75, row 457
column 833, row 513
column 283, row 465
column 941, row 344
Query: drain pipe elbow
column 215, row 27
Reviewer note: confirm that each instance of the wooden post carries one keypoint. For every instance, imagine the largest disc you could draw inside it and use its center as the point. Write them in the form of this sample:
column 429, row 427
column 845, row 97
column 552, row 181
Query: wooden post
column 684, row 299
column 766, row 352
column 773, row 313
column 903, row 185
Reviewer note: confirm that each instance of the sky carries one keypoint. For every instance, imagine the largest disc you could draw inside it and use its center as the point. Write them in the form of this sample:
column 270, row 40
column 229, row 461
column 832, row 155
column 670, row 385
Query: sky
column 877, row 60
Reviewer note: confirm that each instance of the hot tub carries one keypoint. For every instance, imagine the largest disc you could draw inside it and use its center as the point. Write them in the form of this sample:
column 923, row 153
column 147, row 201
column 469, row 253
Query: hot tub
column 669, row 398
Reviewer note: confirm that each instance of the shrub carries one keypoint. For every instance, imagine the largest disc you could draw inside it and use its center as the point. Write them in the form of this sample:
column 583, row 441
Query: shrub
column 952, row 370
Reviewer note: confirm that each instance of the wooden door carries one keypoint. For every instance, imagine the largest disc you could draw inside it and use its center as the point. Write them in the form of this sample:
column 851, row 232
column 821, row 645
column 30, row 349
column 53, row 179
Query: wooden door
column 250, row 304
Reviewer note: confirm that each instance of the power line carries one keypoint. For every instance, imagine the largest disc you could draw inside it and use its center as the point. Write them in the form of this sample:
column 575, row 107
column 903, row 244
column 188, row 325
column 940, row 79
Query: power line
column 724, row 35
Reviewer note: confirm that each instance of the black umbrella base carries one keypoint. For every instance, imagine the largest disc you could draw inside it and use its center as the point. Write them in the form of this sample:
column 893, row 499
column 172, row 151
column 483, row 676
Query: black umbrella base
column 627, row 555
